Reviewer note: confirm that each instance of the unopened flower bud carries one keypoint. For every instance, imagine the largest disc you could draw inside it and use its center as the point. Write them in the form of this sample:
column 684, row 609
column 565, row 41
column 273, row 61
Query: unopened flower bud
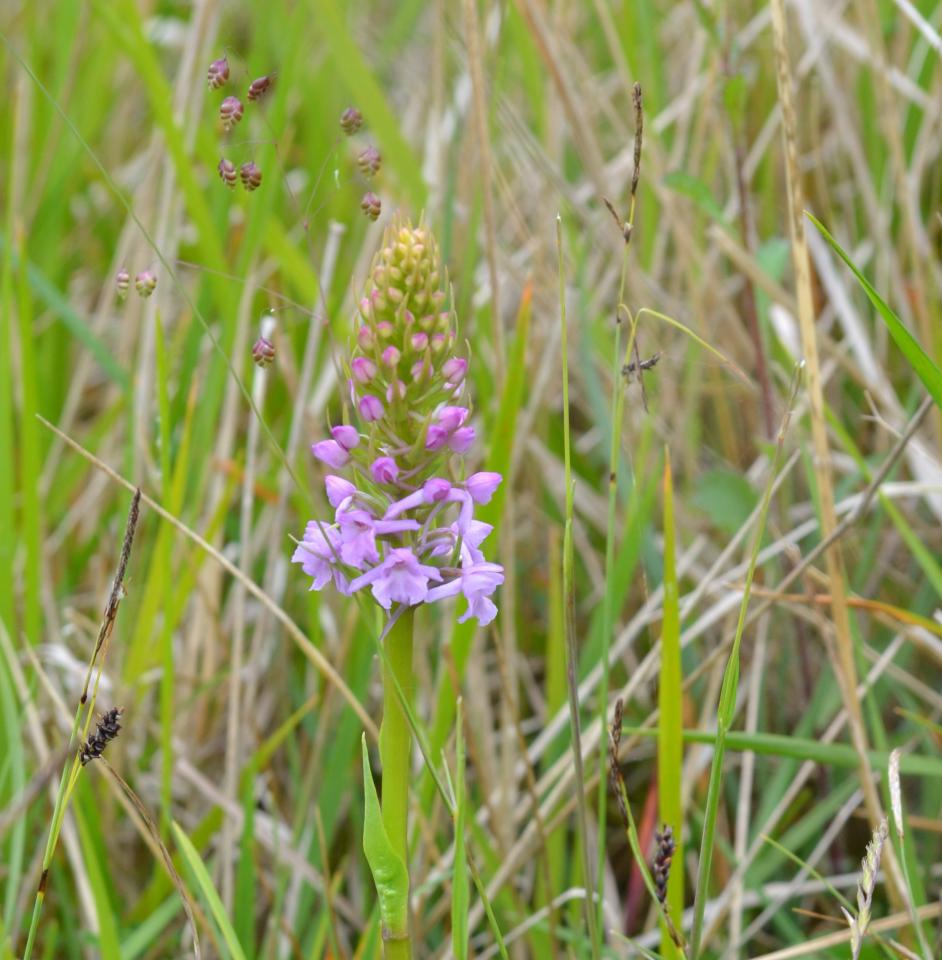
column 230, row 112
column 331, row 453
column 385, row 329
column 418, row 341
column 218, row 73
column 369, row 161
column 420, row 370
column 263, row 352
column 227, row 173
column 371, row 408
column 384, row 470
column 259, row 87
column 351, row 120
column 391, row 356
column 346, row 436
column 122, row 281
column 371, row 205
column 481, row 486
column 365, row 338
column 462, row 439
column 363, row 369
column 145, row 283
column 438, row 342
column 338, row 489
column 250, row 176
column 454, row 370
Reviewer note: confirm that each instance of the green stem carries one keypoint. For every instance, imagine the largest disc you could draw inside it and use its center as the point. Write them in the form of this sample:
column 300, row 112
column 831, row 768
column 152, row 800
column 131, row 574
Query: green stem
column 395, row 749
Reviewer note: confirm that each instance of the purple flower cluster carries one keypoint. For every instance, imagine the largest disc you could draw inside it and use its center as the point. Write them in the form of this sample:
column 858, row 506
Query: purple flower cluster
column 404, row 525
column 416, row 549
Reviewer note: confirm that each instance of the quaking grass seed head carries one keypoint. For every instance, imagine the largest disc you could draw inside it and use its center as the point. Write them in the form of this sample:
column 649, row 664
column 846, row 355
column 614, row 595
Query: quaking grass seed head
column 371, row 205
column 218, row 73
column 263, row 352
column 122, row 282
column 227, row 173
column 260, row 86
column 251, row 176
column 369, row 161
column 350, row 121
column 145, row 283
column 230, row 112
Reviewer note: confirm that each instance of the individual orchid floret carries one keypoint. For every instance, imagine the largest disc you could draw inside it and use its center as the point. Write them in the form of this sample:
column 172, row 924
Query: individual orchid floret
column 384, row 470
column 317, row 553
column 477, row 581
column 400, row 578
column 338, row 489
column 331, row 453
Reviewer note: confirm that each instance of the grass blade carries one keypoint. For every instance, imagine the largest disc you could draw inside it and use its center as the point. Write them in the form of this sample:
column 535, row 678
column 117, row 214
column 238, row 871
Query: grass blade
column 210, row 895
column 926, row 369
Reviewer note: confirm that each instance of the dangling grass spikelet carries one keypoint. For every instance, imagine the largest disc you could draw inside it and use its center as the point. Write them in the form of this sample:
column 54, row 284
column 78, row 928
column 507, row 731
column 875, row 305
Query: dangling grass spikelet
column 870, row 867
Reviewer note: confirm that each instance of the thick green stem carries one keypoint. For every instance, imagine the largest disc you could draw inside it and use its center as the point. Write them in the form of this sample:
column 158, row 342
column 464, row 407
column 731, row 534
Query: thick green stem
column 395, row 748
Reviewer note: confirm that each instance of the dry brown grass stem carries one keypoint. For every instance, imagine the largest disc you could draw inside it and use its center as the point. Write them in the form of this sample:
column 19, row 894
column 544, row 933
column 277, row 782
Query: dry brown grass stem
column 822, row 454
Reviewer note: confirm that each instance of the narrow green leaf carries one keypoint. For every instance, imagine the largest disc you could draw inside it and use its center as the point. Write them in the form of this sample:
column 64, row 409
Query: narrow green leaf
column 389, row 872
column 205, row 884
column 926, row 369
column 670, row 752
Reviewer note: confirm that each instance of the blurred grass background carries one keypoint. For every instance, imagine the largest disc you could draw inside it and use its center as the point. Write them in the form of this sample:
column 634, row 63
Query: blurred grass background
column 491, row 118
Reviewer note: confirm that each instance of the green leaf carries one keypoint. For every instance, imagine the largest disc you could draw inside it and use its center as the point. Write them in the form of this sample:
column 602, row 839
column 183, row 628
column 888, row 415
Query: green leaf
column 726, row 497
column 203, row 881
column 389, row 872
column 670, row 751
column 696, row 190
column 926, row 369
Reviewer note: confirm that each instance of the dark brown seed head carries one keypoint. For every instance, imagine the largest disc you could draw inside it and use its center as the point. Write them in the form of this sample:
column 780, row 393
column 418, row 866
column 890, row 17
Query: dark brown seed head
column 371, row 205
column 227, row 172
column 217, row 74
column 263, row 352
column 250, row 176
column 351, row 120
column 108, row 727
column 145, row 283
column 230, row 112
column 369, row 161
column 662, row 860
column 260, row 86
column 122, row 281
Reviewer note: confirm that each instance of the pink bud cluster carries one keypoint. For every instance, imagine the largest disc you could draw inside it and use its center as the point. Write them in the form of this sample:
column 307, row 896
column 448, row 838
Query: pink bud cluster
column 403, row 522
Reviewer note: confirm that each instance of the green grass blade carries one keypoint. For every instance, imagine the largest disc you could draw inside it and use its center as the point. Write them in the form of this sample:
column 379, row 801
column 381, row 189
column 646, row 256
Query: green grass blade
column 210, row 895
column 726, row 709
column 670, row 752
column 926, row 369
